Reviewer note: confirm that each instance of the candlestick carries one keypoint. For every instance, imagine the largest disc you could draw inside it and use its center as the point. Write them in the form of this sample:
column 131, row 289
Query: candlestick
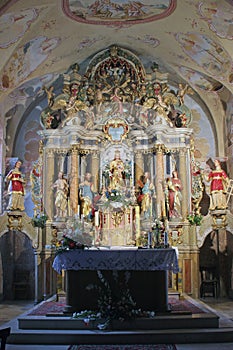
column 157, row 235
column 149, row 239
column 165, row 239
column 82, row 221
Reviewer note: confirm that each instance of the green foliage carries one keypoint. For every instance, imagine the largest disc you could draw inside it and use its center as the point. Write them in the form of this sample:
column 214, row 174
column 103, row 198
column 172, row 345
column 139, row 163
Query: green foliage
column 114, row 299
column 195, row 219
column 39, row 221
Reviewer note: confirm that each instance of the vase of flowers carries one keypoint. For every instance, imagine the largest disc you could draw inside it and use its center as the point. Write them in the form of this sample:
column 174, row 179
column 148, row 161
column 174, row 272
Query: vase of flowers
column 74, row 236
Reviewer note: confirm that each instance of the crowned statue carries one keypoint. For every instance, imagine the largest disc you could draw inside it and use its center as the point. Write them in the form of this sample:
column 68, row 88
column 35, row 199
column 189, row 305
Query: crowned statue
column 117, row 173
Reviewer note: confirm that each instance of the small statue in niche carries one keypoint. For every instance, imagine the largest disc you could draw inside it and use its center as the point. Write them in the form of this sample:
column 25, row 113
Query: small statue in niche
column 174, row 188
column 61, row 196
column 86, row 191
column 117, row 172
column 147, row 192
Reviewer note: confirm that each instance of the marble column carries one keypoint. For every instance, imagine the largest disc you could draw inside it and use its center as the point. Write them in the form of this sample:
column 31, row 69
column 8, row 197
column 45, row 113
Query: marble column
column 48, row 179
column 2, row 171
column 184, row 174
column 139, row 166
column 160, row 196
column 74, row 183
column 95, row 171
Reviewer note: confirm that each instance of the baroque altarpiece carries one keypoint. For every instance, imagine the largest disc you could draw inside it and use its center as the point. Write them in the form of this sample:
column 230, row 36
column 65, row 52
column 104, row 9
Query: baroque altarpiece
column 117, row 155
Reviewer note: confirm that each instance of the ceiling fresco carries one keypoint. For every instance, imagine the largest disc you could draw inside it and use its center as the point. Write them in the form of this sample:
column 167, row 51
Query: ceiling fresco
column 219, row 18
column 116, row 12
column 14, row 26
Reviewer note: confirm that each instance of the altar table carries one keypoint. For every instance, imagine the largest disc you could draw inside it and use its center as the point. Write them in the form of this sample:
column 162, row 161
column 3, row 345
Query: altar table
column 147, row 268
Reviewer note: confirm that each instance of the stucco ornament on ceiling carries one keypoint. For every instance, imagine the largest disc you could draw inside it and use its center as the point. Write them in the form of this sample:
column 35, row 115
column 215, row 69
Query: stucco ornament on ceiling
column 116, row 12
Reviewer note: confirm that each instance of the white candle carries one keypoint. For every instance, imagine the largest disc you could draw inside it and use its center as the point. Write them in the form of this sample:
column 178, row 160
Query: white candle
column 97, row 218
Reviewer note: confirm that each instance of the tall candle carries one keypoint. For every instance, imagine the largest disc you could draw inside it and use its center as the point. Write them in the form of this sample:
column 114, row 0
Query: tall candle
column 97, row 218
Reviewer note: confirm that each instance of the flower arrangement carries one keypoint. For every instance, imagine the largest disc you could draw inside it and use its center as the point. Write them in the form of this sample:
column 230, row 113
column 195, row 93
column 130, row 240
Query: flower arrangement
column 195, row 219
column 114, row 302
column 117, row 198
column 39, row 221
column 67, row 243
column 74, row 236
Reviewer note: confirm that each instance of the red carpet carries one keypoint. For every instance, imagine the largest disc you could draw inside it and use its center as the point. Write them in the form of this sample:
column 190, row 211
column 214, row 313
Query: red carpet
column 124, row 347
column 52, row 307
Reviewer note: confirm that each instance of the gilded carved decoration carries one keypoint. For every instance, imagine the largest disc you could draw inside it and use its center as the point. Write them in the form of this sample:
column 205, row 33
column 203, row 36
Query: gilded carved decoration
column 116, row 113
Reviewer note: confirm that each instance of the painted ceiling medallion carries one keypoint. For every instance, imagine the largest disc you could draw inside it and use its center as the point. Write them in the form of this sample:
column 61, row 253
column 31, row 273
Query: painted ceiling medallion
column 118, row 12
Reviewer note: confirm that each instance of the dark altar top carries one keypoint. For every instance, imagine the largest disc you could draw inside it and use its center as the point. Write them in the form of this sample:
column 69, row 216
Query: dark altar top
column 117, row 259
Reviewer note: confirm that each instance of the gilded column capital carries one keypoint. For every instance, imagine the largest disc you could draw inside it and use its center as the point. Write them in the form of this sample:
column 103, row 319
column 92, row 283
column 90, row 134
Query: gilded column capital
column 159, row 148
column 83, row 152
column 75, row 148
column 59, row 151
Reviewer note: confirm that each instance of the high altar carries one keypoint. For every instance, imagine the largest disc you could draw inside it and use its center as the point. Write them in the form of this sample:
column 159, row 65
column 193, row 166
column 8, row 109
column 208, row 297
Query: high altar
column 117, row 154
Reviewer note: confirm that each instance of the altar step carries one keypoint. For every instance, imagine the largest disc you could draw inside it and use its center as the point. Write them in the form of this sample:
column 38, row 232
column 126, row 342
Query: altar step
column 168, row 336
column 163, row 322
column 167, row 329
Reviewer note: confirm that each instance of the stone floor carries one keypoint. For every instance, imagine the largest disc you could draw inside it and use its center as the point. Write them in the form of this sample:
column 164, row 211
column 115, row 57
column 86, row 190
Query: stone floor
column 222, row 307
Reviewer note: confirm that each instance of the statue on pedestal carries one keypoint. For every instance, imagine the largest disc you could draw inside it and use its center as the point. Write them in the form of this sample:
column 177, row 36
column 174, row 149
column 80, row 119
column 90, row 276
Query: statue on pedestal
column 197, row 187
column 16, row 188
column 218, row 186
